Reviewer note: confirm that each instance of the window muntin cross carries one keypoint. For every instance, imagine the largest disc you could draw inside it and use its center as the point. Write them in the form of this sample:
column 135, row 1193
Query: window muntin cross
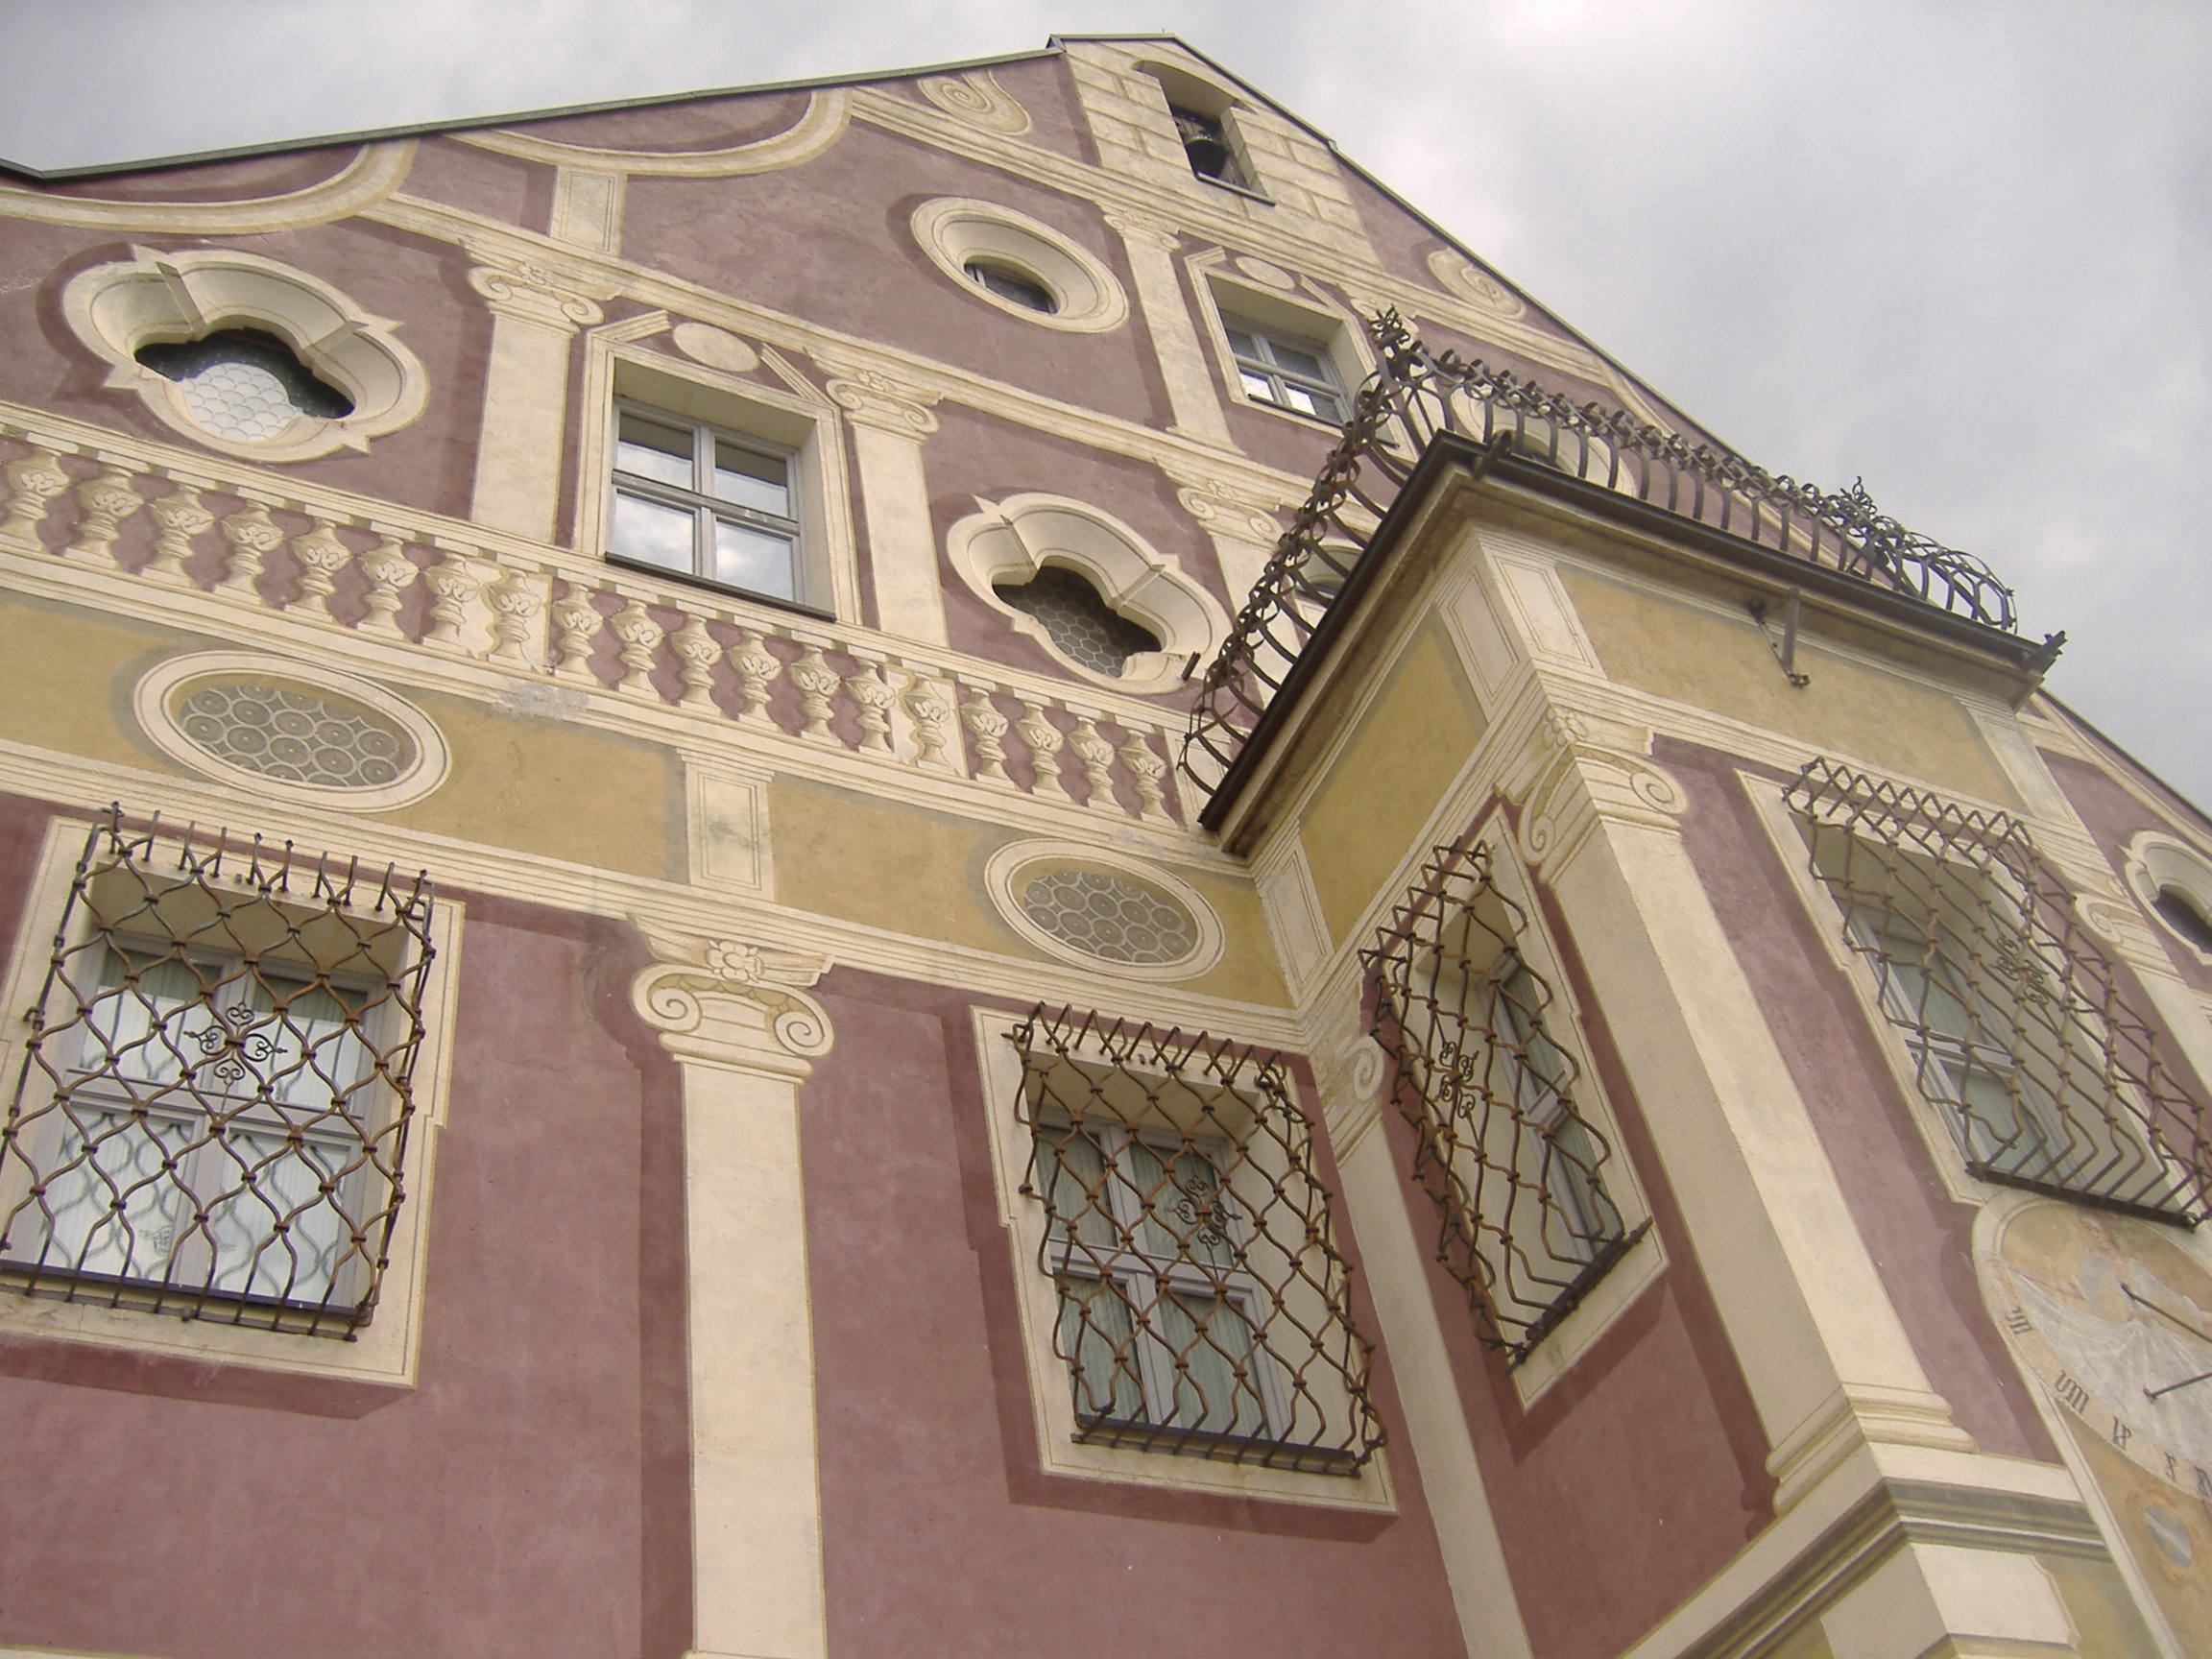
column 691, row 499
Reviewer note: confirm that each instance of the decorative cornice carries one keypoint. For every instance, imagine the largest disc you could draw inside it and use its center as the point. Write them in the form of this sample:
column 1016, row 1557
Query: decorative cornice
column 723, row 1001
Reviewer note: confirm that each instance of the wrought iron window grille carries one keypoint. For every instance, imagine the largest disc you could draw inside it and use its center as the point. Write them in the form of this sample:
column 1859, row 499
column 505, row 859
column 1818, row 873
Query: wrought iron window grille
column 1204, row 1306
column 212, row 1111
column 1502, row 1145
column 2019, row 1030
column 1417, row 393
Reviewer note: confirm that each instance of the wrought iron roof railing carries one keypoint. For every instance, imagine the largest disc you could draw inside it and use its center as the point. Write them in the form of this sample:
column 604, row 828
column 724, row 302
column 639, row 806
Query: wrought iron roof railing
column 1418, row 393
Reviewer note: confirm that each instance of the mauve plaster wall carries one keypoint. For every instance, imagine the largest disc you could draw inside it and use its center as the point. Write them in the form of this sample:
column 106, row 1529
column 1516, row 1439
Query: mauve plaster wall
column 528, row 1496
column 2115, row 817
column 1640, row 1472
column 941, row 1534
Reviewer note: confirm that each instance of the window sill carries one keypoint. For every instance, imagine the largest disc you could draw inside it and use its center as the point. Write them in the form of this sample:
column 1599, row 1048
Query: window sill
column 645, row 567
column 1245, row 190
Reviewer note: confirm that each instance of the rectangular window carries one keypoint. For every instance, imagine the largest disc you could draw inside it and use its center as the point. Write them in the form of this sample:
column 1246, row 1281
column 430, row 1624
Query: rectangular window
column 703, row 502
column 212, row 1117
column 1503, row 1146
column 1286, row 372
column 1202, row 1305
column 2016, row 1026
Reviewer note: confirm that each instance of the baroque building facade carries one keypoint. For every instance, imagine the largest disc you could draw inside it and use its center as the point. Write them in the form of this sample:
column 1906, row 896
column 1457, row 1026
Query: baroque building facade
column 735, row 926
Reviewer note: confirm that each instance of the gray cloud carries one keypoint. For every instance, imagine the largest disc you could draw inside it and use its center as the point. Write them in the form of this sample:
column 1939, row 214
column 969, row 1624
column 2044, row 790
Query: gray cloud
column 1959, row 249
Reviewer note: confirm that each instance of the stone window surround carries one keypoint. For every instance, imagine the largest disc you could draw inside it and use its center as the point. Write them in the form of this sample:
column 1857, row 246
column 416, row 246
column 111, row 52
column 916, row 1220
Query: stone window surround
column 1299, row 317
column 806, row 428
column 157, row 295
column 153, row 700
column 387, row 1349
column 2156, row 861
column 1180, row 88
column 1002, row 877
column 954, row 230
column 1008, row 541
column 1059, row 1451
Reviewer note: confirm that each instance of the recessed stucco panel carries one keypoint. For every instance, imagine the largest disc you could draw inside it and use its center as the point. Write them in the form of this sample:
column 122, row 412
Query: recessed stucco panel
column 916, row 872
column 68, row 674
column 1408, row 747
column 1692, row 657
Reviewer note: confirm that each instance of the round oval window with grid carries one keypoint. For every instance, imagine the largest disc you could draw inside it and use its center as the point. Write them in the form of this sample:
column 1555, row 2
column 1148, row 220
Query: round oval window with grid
column 1101, row 909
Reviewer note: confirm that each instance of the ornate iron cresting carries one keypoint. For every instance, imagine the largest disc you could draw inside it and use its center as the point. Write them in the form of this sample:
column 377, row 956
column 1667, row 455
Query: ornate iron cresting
column 2019, row 1030
column 211, row 1118
column 1204, row 1306
column 1414, row 395
column 1501, row 1144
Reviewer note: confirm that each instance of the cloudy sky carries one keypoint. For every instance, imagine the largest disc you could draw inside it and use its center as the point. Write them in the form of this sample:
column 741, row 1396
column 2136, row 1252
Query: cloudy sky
column 1962, row 248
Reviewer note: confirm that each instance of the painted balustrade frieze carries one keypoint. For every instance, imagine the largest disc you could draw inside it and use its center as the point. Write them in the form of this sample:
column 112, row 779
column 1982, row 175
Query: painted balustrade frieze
column 247, row 538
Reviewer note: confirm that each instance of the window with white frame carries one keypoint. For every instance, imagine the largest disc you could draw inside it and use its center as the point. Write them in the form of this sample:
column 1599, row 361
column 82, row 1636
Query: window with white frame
column 2016, row 1026
column 212, row 1117
column 1284, row 370
column 1201, row 1303
column 1502, row 1143
column 701, row 501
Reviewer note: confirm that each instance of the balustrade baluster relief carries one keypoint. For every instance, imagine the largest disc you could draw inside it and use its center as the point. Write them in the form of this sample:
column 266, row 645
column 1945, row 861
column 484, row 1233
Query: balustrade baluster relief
column 929, row 702
column 1044, row 743
column 321, row 556
column 641, row 637
column 1147, row 770
column 757, row 669
column 578, row 622
column 517, row 603
column 871, row 699
column 32, row 484
column 818, row 683
column 988, row 728
column 179, row 519
column 389, row 572
column 253, row 535
column 109, row 499
column 696, row 655
column 1096, row 754
column 453, row 584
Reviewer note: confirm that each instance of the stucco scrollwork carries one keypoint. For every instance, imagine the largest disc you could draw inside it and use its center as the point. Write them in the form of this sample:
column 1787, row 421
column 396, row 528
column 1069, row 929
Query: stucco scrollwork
column 535, row 294
column 1579, row 769
column 872, row 397
column 819, row 125
column 729, row 1001
column 1226, row 510
column 1458, row 275
column 378, row 169
column 978, row 100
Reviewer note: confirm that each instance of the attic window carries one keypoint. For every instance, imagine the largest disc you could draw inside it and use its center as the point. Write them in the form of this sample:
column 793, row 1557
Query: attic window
column 1206, row 142
column 243, row 384
column 1081, row 624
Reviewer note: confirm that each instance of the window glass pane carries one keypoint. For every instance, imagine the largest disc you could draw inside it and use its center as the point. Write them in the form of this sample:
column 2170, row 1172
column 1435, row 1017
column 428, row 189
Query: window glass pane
column 1074, row 1171
column 1306, row 402
column 757, row 560
column 1096, row 1335
column 750, row 479
column 114, row 1207
column 1009, row 284
column 651, row 451
column 1299, row 361
column 1260, row 387
column 653, row 532
column 1216, row 1372
column 1244, row 346
column 273, row 1230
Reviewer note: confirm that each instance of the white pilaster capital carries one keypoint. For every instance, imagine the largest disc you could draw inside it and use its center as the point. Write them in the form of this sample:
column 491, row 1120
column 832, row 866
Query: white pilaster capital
column 1140, row 231
column 720, row 1001
column 1227, row 509
column 532, row 293
column 870, row 397
column 1578, row 770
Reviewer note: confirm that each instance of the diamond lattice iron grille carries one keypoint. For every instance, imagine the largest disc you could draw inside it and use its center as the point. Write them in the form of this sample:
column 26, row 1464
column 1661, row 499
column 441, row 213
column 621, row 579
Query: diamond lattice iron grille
column 1414, row 395
column 1501, row 1144
column 2019, row 1030
column 1204, row 1306
column 211, row 1117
